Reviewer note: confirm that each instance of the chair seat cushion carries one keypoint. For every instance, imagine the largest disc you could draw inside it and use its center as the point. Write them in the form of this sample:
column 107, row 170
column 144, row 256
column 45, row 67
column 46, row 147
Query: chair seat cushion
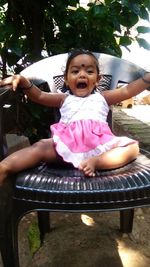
column 64, row 186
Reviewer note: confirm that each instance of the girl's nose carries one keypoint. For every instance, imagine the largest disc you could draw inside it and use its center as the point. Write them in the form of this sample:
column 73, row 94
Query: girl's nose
column 82, row 73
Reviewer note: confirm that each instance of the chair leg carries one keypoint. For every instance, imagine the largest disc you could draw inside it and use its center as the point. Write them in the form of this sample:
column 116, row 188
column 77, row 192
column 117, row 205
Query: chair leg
column 44, row 223
column 6, row 247
column 6, row 243
column 126, row 220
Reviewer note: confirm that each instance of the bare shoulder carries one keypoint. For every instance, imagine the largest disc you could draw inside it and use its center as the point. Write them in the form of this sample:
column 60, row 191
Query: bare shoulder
column 63, row 97
column 52, row 99
column 125, row 92
column 113, row 96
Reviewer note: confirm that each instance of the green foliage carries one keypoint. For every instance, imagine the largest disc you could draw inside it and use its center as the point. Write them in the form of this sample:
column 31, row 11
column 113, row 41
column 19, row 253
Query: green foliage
column 58, row 26
column 143, row 43
column 125, row 41
column 30, row 27
column 34, row 120
column 37, row 123
column 143, row 29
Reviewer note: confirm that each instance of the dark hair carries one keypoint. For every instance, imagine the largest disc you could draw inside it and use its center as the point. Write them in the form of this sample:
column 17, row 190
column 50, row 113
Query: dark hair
column 77, row 52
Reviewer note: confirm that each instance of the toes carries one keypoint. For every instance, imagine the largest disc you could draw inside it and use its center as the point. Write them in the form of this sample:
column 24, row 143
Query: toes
column 88, row 171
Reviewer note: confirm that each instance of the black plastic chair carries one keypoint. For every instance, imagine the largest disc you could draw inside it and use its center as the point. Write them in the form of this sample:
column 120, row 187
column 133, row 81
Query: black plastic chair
column 48, row 188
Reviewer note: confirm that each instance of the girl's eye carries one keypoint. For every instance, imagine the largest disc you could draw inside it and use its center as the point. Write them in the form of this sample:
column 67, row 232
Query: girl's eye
column 75, row 71
column 90, row 71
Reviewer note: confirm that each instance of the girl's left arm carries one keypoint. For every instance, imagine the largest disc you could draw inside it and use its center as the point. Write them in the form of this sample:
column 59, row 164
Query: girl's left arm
column 132, row 89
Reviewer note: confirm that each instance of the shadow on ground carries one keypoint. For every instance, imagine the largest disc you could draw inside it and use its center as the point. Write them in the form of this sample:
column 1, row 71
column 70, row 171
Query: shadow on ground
column 91, row 240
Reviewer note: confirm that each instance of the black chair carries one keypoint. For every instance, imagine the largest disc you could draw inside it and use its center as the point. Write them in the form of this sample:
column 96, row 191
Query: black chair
column 6, row 191
column 48, row 188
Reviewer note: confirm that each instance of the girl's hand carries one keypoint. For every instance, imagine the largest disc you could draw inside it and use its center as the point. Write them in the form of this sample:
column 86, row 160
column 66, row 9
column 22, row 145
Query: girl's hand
column 14, row 81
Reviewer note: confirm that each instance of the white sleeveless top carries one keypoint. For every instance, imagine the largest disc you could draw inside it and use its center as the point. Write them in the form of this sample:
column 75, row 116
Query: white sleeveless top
column 76, row 108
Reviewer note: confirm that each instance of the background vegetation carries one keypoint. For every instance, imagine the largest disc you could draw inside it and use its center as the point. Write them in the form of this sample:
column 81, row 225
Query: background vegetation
column 31, row 29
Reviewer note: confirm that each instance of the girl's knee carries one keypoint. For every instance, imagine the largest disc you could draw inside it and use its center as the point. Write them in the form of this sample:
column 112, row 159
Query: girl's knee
column 132, row 151
column 46, row 148
column 134, row 148
column 43, row 143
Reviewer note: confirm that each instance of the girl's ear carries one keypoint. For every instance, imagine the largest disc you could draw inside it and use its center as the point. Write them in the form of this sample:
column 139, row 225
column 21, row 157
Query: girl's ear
column 98, row 79
column 65, row 79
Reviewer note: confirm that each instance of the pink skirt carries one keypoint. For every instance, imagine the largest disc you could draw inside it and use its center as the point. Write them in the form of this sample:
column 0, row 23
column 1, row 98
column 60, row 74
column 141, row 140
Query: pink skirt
column 80, row 140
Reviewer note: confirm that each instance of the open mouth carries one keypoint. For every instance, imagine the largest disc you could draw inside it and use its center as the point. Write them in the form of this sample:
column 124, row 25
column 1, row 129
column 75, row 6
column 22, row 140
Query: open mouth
column 81, row 85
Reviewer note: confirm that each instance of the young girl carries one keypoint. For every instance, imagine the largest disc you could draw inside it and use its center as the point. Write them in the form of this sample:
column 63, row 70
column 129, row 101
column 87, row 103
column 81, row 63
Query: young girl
column 82, row 136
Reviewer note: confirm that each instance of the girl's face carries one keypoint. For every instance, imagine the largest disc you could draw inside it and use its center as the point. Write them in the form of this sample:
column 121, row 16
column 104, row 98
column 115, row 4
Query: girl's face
column 82, row 75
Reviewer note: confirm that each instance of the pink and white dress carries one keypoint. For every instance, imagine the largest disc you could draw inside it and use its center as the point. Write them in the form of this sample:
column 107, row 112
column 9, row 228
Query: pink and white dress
column 83, row 131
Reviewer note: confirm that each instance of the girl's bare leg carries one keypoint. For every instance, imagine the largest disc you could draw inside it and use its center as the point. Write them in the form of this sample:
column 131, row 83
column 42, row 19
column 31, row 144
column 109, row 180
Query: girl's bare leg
column 111, row 159
column 43, row 150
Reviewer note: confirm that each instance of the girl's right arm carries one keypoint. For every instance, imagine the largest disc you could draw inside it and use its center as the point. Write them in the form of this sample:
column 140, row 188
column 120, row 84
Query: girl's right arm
column 33, row 92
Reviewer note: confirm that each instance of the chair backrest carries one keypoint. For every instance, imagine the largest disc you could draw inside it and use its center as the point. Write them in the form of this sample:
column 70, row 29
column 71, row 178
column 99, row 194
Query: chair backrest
column 52, row 68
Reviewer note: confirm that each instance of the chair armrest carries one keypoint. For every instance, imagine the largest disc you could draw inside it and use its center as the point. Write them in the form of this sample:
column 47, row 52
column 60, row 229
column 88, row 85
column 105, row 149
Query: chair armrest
column 6, row 98
column 145, row 152
column 5, row 92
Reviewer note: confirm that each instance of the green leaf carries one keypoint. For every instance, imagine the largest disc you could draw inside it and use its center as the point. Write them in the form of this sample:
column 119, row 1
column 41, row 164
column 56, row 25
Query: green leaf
column 147, row 4
column 143, row 29
column 128, row 18
column 73, row 2
column 143, row 43
column 98, row 11
column 144, row 13
column 135, row 8
column 34, row 237
column 125, row 41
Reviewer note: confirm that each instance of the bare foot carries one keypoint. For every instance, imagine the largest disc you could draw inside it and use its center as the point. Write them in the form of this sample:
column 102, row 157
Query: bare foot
column 88, row 166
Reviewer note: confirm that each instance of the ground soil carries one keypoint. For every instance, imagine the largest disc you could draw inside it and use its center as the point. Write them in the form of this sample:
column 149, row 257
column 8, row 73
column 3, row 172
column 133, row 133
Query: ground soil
column 91, row 240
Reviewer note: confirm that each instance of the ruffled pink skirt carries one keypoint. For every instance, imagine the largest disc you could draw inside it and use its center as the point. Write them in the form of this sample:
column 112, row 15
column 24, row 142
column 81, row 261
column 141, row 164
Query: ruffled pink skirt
column 80, row 140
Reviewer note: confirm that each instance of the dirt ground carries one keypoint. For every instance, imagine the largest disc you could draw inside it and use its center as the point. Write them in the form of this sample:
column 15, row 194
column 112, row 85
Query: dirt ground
column 88, row 240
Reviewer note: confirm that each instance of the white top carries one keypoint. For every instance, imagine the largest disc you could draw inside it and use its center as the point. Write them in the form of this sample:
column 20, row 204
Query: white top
column 92, row 107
